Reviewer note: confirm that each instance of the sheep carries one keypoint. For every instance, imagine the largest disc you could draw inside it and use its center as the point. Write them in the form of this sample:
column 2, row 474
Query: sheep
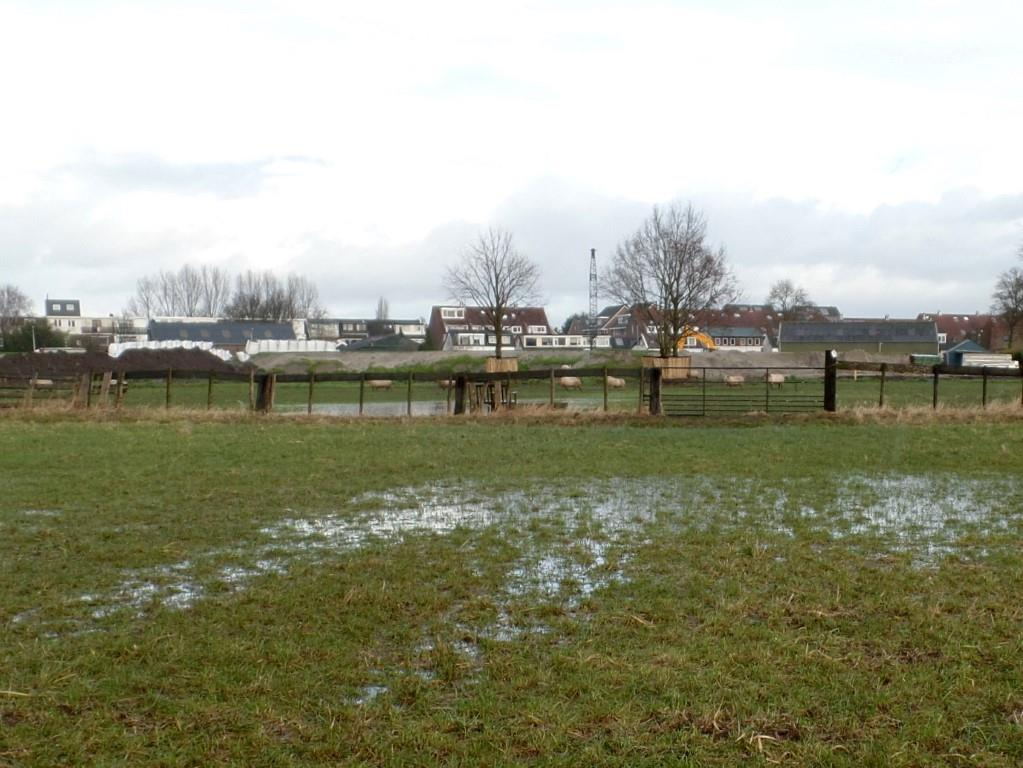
column 571, row 382
column 445, row 383
column 775, row 379
column 379, row 383
column 613, row 382
column 735, row 381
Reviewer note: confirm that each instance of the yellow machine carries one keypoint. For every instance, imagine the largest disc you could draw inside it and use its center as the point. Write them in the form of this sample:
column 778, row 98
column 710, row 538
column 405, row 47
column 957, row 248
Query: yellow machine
column 698, row 335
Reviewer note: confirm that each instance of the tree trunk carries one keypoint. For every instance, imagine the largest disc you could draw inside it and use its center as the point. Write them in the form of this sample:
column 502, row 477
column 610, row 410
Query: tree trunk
column 497, row 340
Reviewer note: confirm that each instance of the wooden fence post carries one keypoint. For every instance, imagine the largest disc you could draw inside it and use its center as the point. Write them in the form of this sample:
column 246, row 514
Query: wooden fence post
column 983, row 389
column 252, row 390
column 831, row 381
column 447, row 395
column 88, row 391
column 550, row 400
column 934, row 398
column 309, row 404
column 104, row 387
column 30, row 394
column 170, row 378
column 605, row 389
column 362, row 392
column 655, row 391
column 461, row 384
column 119, row 397
column 209, row 391
column 639, row 404
column 884, row 373
column 265, row 396
column 408, row 401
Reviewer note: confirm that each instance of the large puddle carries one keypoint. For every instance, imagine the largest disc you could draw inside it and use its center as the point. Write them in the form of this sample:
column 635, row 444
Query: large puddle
column 573, row 540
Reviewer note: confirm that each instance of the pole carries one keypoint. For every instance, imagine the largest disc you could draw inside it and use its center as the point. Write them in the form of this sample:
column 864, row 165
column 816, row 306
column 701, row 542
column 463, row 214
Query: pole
column 767, row 390
column 119, row 397
column 884, row 374
column 449, row 385
column 551, row 397
column 639, row 403
column 309, row 403
column 170, row 378
column 408, row 403
column 655, row 391
column 252, row 390
column 831, row 381
column 605, row 389
column 461, row 384
column 209, row 391
column 934, row 399
column 362, row 392
column 983, row 389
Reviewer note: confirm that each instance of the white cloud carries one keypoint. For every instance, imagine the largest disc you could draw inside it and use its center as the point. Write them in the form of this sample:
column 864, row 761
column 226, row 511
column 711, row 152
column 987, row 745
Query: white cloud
column 362, row 143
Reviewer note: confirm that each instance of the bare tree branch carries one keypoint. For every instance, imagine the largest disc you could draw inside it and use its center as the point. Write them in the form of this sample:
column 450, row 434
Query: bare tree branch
column 495, row 277
column 667, row 267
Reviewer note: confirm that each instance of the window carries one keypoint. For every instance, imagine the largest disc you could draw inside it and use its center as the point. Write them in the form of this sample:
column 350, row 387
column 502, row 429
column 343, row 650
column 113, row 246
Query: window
column 452, row 313
column 516, row 329
column 539, row 329
column 69, row 307
column 55, row 307
column 942, row 338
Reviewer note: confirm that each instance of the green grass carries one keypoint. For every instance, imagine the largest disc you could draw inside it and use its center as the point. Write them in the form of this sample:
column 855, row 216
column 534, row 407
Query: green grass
column 719, row 594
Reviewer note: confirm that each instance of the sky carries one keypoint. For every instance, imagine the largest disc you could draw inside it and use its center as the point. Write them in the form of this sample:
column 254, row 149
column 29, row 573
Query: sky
column 868, row 151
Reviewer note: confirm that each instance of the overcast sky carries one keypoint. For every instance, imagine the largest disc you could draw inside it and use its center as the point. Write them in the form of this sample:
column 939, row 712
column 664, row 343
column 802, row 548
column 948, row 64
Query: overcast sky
column 870, row 151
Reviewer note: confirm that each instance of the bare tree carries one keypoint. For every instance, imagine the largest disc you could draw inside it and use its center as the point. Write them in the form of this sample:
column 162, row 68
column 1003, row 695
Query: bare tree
column 494, row 277
column 382, row 309
column 264, row 296
column 785, row 296
column 189, row 292
column 1008, row 299
column 14, row 305
column 668, row 267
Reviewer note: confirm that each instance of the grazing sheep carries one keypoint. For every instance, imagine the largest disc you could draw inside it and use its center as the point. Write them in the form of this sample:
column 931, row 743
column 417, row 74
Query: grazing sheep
column 446, row 383
column 613, row 382
column 735, row 381
column 571, row 382
column 776, row 379
column 379, row 383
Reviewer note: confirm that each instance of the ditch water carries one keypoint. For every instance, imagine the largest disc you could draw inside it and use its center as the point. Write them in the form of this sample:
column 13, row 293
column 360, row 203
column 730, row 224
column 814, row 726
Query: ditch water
column 574, row 540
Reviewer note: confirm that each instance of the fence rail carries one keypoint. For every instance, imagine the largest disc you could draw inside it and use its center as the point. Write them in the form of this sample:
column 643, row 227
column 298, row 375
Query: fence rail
column 705, row 391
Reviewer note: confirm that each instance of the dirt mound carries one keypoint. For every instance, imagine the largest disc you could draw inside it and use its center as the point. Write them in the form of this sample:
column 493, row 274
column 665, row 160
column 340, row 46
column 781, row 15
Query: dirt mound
column 72, row 363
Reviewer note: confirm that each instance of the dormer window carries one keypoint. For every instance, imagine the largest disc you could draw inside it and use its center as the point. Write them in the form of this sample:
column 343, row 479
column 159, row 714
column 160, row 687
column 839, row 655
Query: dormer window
column 452, row 313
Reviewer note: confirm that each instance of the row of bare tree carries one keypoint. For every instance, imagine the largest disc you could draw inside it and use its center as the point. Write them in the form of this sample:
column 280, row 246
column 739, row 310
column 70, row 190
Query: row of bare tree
column 207, row 292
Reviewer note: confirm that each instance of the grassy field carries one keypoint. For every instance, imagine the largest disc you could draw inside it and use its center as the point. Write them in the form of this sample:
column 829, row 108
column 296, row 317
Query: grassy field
column 180, row 591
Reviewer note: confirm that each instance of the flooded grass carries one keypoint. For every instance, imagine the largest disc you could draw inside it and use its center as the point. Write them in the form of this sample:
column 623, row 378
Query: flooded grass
column 263, row 593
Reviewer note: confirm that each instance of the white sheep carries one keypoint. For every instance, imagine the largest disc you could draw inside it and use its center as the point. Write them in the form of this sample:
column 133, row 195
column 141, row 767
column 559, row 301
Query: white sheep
column 571, row 382
column 379, row 383
column 735, row 381
column 613, row 382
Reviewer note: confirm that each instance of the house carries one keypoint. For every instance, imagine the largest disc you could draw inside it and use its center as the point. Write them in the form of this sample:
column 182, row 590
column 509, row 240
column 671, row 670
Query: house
column 230, row 335
column 894, row 337
column 64, row 315
column 353, row 329
column 469, row 328
column 989, row 331
column 737, row 338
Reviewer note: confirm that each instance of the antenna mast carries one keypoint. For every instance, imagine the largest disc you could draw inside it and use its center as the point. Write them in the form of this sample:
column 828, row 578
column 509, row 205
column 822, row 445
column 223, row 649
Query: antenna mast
column 593, row 295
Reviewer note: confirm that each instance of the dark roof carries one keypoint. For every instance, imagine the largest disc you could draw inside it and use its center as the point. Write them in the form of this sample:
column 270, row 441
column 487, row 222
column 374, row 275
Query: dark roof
column 62, row 308
column 395, row 343
column 864, row 331
column 729, row 330
column 224, row 332
column 967, row 345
